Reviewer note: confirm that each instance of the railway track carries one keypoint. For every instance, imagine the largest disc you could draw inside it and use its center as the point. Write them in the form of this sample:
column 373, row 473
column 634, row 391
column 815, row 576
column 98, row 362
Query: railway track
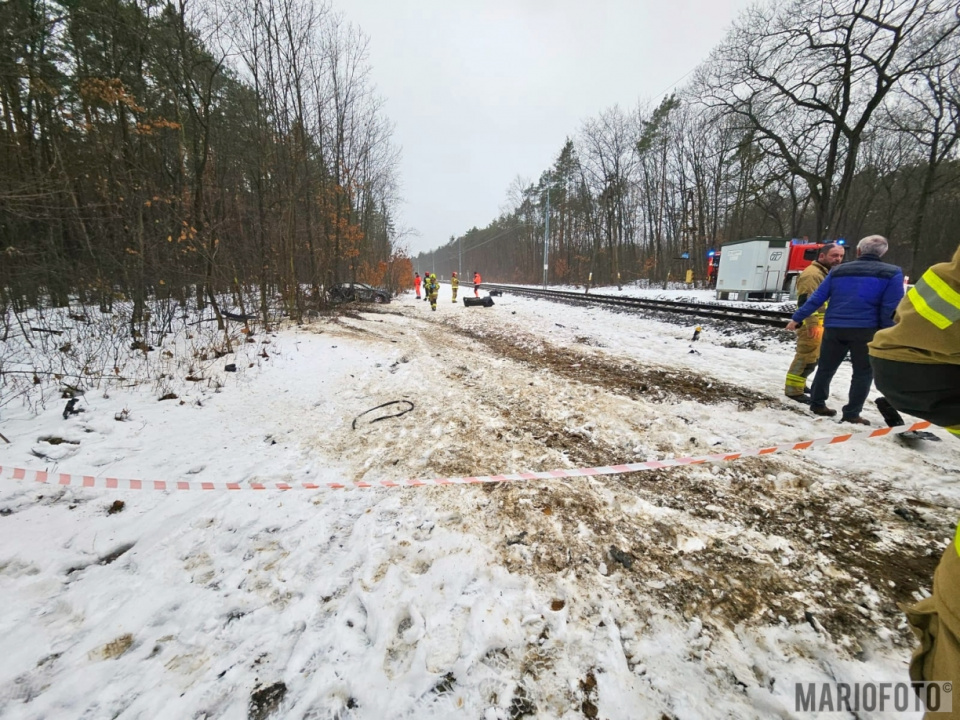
column 753, row 316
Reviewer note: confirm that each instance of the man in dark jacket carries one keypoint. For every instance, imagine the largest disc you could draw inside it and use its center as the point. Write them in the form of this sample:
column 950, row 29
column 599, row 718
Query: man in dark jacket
column 863, row 296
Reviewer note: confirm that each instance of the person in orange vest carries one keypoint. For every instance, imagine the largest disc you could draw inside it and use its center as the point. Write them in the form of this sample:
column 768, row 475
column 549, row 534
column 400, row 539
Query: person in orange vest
column 476, row 284
column 454, row 285
column 416, row 284
column 916, row 365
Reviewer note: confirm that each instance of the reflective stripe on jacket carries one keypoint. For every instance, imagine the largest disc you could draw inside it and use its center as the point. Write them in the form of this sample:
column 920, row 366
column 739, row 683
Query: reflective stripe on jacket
column 927, row 329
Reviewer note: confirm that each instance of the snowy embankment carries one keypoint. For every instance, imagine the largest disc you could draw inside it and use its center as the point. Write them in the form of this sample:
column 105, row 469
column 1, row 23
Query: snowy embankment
column 698, row 592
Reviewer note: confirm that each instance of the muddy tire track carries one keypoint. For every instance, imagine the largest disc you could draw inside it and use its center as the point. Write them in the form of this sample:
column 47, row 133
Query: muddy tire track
column 637, row 382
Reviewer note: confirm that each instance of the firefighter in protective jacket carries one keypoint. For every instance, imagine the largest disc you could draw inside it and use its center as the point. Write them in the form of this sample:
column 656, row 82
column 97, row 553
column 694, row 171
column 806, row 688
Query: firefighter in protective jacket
column 433, row 288
column 454, row 285
column 916, row 365
column 810, row 332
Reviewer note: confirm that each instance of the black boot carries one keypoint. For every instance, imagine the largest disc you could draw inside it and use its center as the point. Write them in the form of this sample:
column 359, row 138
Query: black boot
column 890, row 415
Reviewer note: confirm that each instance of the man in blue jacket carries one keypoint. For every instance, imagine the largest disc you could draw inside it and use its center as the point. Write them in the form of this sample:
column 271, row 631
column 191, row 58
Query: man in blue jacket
column 862, row 296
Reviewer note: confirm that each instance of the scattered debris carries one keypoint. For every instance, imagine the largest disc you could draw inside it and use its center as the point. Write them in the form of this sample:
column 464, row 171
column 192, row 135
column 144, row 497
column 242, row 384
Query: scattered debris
column 617, row 555
column 71, row 408
column 265, row 701
column 117, row 506
column 518, row 539
column 908, row 514
column 169, row 396
column 385, row 417
column 446, row 684
column 232, row 367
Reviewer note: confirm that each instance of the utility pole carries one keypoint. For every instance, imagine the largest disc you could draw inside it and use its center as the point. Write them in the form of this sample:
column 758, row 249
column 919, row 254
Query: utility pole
column 460, row 261
column 546, row 237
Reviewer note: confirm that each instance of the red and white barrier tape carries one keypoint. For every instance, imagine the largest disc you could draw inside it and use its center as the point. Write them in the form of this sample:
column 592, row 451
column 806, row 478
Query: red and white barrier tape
column 90, row 481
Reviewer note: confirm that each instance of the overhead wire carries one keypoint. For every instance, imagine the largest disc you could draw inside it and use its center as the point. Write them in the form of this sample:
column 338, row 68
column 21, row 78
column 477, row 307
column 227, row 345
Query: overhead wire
column 488, row 240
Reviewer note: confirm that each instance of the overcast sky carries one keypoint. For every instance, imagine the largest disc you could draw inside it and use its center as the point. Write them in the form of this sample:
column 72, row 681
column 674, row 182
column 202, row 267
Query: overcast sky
column 482, row 91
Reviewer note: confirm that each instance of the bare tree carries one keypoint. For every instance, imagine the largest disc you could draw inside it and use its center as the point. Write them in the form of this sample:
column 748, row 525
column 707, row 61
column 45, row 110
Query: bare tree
column 927, row 110
column 807, row 78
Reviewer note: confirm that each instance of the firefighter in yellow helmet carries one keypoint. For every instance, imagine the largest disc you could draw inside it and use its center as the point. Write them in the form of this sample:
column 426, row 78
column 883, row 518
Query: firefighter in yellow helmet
column 454, row 285
column 916, row 365
column 433, row 289
column 810, row 333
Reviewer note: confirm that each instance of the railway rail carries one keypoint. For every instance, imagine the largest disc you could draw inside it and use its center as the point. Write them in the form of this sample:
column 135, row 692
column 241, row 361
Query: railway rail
column 753, row 316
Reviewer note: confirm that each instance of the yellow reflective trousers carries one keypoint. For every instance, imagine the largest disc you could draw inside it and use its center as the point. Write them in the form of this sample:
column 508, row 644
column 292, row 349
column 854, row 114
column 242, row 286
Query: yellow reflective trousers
column 805, row 360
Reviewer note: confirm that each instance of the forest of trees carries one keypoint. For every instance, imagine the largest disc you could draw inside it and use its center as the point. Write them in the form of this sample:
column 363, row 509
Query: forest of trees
column 822, row 119
column 190, row 150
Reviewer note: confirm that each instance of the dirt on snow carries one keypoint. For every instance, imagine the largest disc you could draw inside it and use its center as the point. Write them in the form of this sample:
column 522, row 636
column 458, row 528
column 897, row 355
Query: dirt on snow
column 758, row 541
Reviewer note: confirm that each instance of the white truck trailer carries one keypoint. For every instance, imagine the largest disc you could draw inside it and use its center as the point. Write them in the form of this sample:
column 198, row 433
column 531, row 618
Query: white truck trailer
column 754, row 269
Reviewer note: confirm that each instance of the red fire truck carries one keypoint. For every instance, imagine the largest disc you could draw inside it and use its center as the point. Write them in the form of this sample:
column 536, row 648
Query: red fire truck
column 713, row 263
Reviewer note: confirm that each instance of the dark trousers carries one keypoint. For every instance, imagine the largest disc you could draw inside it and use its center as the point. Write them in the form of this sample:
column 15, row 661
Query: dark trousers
column 837, row 342
column 930, row 392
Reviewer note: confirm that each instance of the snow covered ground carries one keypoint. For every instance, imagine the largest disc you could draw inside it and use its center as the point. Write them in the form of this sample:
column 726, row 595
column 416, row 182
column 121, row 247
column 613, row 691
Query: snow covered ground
column 699, row 592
